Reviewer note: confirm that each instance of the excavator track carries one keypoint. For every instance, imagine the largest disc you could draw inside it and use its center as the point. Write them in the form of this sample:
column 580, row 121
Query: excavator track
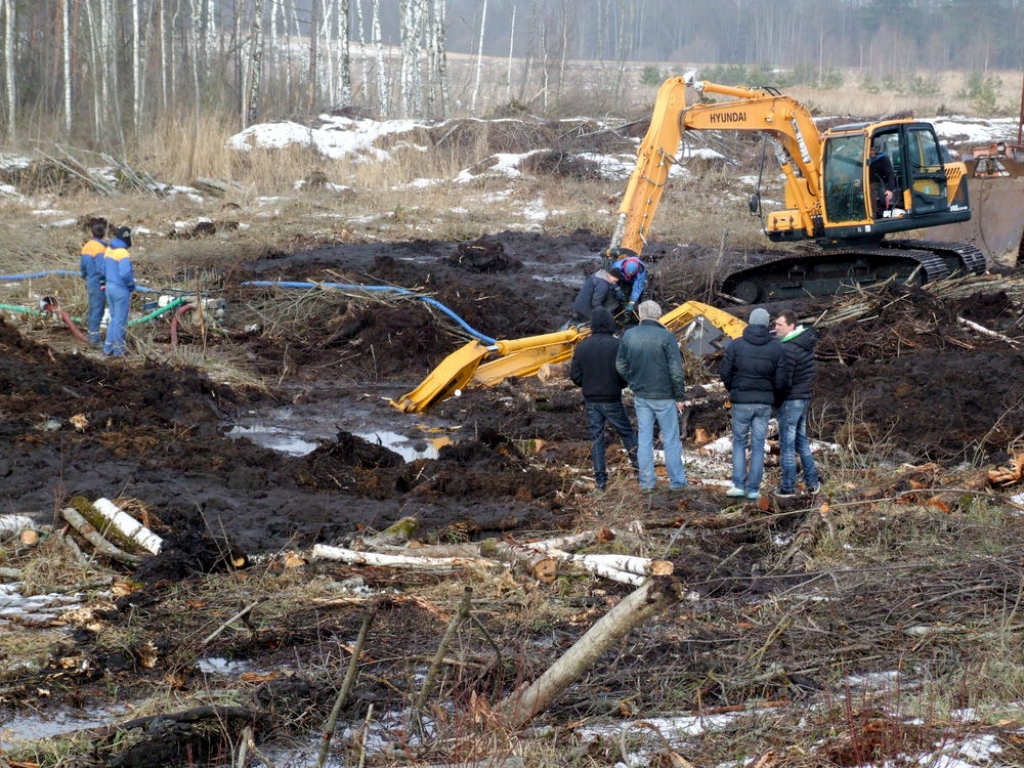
column 841, row 270
column 960, row 258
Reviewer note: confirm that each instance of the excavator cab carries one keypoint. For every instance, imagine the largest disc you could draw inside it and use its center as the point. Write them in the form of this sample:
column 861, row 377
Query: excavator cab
column 860, row 162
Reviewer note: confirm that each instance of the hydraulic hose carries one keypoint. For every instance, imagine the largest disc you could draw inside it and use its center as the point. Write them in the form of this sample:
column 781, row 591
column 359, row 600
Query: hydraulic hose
column 379, row 289
column 169, row 306
column 174, row 322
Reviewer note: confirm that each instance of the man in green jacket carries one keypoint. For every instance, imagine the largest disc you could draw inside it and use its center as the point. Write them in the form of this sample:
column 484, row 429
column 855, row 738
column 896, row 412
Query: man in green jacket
column 650, row 361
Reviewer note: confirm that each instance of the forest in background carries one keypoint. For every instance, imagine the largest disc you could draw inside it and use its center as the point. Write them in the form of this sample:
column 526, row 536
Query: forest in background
column 103, row 73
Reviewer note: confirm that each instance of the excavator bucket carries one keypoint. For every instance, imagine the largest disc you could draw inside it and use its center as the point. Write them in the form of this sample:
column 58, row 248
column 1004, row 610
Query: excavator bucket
column 453, row 373
column 705, row 330
column 996, row 186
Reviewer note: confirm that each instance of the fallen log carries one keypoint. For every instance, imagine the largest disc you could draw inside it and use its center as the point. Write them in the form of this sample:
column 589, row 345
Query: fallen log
column 353, row 557
column 130, row 528
column 399, row 532
column 577, row 540
column 174, row 738
column 15, row 525
column 538, row 563
column 653, row 597
column 90, row 534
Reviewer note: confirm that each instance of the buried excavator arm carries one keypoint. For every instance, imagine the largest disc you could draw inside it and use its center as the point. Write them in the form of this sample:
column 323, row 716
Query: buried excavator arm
column 705, row 329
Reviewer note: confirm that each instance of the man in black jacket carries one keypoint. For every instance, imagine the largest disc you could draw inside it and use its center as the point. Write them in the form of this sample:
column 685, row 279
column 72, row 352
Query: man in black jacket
column 598, row 290
column 882, row 176
column 798, row 343
column 753, row 369
column 593, row 369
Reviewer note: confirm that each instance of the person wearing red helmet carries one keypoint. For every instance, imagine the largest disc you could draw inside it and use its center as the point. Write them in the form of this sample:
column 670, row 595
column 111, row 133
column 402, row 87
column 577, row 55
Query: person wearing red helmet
column 634, row 281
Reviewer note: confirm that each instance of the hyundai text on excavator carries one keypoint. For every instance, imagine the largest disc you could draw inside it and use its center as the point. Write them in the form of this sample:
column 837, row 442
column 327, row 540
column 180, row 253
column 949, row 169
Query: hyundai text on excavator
column 828, row 193
column 828, row 202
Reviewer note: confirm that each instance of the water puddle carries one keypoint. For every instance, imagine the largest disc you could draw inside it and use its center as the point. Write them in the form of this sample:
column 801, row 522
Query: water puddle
column 409, row 448
column 276, row 439
column 27, row 728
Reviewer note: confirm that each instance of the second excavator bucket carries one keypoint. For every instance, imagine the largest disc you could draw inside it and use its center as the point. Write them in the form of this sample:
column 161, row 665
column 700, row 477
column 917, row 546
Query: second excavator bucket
column 996, row 185
column 705, row 331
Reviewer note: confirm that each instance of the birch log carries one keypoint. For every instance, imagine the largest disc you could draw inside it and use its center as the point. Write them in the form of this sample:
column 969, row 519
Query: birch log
column 13, row 525
column 128, row 526
column 400, row 561
column 93, row 536
column 653, row 597
column 539, row 564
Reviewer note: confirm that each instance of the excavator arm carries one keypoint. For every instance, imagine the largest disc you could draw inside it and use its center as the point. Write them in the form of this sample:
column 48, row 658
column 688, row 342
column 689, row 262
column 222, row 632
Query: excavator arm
column 750, row 109
column 704, row 329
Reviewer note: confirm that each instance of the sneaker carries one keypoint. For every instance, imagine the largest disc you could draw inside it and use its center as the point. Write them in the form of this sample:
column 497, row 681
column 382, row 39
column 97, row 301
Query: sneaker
column 736, row 493
column 781, row 494
column 815, row 490
column 756, row 495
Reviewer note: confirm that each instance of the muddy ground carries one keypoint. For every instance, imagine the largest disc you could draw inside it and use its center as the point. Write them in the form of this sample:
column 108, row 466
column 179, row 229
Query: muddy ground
column 909, row 380
column 903, row 382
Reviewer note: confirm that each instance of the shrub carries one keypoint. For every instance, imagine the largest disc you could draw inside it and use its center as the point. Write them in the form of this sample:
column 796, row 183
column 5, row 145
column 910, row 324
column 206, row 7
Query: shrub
column 651, row 75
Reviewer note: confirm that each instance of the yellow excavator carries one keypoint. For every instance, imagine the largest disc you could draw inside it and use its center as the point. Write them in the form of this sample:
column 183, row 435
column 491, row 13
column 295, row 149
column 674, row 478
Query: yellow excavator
column 833, row 202
column 829, row 202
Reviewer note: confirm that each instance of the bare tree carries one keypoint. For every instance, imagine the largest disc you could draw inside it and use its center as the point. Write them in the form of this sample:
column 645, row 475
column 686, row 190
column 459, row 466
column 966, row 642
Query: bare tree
column 66, row 46
column 9, row 80
column 314, row 33
column 479, row 57
column 255, row 61
column 378, row 42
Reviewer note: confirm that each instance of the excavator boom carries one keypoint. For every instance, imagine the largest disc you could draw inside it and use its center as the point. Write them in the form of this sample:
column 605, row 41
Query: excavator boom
column 704, row 328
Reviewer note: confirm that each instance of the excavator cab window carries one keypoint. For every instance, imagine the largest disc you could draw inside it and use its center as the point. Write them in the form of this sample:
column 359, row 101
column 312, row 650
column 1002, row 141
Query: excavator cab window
column 843, row 175
column 927, row 173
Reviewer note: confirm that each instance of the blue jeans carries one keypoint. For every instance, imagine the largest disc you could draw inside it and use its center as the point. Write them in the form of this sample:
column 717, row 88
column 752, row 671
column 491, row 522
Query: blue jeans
column 667, row 415
column 793, row 442
column 749, row 420
column 598, row 416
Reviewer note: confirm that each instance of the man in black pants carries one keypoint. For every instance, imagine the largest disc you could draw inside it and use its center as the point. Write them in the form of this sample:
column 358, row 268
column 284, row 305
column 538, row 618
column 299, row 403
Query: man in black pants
column 883, row 180
column 593, row 369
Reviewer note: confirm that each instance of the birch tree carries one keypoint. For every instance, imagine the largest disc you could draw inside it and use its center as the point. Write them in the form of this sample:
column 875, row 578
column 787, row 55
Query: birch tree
column 136, row 73
column 314, row 33
column 479, row 58
column 378, row 43
column 256, row 61
column 66, row 48
column 9, row 79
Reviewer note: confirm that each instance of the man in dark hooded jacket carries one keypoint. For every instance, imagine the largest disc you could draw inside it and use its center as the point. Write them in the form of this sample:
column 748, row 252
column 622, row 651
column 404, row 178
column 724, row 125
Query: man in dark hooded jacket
column 598, row 290
column 754, row 369
column 593, row 369
column 798, row 343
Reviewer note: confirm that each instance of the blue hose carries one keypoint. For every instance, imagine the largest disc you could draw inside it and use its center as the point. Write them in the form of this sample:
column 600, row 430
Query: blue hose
column 379, row 289
column 304, row 285
column 32, row 275
column 64, row 272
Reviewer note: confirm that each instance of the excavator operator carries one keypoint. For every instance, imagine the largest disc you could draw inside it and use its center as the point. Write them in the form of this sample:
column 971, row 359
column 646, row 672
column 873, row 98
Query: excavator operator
column 883, row 179
column 634, row 282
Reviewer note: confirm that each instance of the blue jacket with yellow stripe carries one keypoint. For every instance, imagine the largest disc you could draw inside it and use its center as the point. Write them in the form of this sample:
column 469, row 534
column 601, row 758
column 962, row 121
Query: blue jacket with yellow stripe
column 117, row 263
